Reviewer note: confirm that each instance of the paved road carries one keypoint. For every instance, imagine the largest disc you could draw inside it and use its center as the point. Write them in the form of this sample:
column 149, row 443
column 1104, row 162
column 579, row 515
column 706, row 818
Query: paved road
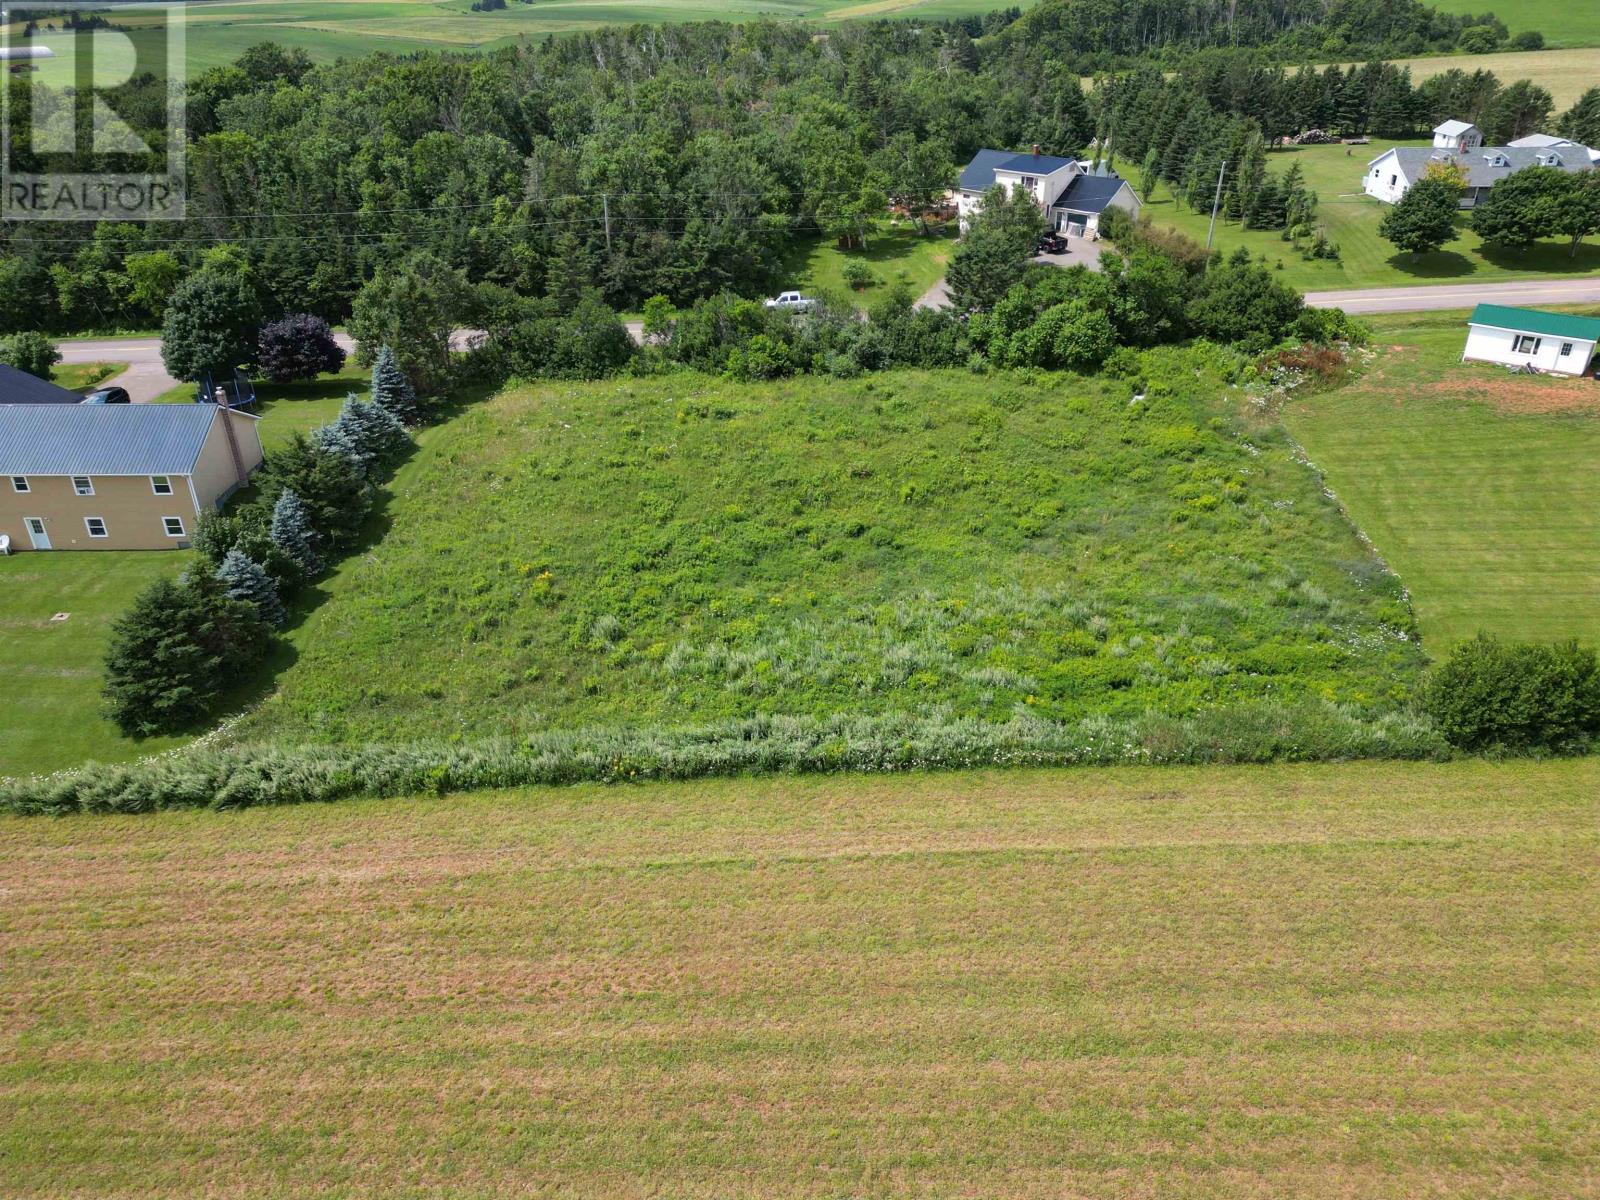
column 146, row 377
column 1460, row 295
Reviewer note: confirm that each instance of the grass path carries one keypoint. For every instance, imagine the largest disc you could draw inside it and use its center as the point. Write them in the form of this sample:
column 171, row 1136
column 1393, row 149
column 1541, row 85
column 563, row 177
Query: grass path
column 1480, row 488
column 1356, row 981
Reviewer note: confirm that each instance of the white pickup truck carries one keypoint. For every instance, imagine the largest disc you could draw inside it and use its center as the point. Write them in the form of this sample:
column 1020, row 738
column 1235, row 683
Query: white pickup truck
column 793, row 301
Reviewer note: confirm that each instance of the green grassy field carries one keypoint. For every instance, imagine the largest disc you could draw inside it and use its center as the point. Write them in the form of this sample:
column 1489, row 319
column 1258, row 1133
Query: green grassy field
column 1359, row 981
column 1351, row 219
column 687, row 550
column 1480, row 488
column 50, row 704
column 1563, row 22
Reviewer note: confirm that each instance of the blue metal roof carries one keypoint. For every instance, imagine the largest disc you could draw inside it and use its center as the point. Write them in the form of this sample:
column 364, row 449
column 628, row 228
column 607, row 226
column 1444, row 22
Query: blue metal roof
column 1089, row 193
column 102, row 439
column 978, row 176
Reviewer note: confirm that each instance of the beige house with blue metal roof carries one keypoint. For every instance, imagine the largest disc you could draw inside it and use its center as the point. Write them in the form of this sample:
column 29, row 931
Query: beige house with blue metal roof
column 117, row 477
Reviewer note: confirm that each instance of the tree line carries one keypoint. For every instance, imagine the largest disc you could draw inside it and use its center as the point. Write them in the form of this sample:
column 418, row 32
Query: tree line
column 683, row 160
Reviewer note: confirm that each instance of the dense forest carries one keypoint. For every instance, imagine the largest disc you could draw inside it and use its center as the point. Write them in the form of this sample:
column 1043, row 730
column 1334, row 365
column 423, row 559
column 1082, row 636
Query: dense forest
column 685, row 160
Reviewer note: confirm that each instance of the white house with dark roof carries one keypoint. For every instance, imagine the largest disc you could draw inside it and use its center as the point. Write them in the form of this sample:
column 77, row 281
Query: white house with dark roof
column 1070, row 192
column 118, row 476
column 1393, row 173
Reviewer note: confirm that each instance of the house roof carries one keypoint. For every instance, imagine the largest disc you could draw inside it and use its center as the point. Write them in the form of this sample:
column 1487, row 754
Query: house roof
column 978, row 175
column 1539, row 141
column 1413, row 161
column 18, row 387
column 1452, row 128
column 103, row 439
column 1090, row 193
column 1532, row 320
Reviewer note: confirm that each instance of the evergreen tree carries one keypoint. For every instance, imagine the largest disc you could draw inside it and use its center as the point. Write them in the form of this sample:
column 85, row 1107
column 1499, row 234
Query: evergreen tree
column 373, row 428
column 1520, row 109
column 293, row 534
column 391, row 389
column 338, row 437
column 996, row 249
column 247, row 580
column 174, row 650
column 1581, row 122
column 334, row 489
column 1424, row 219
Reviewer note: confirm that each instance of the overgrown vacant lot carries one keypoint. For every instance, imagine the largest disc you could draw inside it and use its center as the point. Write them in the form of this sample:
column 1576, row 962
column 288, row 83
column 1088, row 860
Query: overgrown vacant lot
column 1479, row 487
column 682, row 550
column 1357, row 981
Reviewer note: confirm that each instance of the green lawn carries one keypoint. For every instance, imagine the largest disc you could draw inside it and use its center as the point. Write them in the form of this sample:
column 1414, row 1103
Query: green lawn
column 1351, row 218
column 50, row 704
column 897, row 255
column 1480, row 488
column 82, row 377
column 686, row 550
column 1371, row 981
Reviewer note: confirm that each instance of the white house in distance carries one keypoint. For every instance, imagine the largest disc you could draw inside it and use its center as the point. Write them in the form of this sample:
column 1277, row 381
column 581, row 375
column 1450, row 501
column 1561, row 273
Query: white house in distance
column 1391, row 174
column 1520, row 337
column 1071, row 193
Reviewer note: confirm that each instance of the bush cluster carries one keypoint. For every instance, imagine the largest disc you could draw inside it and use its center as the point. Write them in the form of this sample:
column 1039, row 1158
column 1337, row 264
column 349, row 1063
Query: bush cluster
column 1516, row 697
column 247, row 776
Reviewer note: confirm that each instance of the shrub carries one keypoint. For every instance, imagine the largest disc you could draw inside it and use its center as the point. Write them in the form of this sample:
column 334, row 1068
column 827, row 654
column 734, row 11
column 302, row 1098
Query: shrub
column 857, row 274
column 300, row 346
column 30, row 352
column 1528, row 39
column 1527, row 696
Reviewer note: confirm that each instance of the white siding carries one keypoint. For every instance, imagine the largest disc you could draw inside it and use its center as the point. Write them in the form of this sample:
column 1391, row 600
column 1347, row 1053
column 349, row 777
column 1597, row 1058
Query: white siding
column 1485, row 343
column 1384, row 180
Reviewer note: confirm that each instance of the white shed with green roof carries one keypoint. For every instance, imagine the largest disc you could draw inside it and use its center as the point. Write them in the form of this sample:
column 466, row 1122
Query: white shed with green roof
column 1526, row 337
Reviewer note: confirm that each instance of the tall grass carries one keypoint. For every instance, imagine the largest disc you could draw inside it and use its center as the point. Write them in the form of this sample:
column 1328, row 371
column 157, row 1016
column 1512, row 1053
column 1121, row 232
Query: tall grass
column 248, row 776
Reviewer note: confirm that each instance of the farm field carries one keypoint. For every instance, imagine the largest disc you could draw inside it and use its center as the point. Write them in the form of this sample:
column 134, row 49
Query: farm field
column 1368, row 980
column 1563, row 22
column 1352, row 218
column 1478, row 487
column 687, row 550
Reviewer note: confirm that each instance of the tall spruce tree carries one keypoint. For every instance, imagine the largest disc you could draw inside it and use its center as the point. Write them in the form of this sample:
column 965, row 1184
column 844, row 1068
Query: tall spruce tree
column 293, row 534
column 247, row 580
column 391, row 388
column 1581, row 122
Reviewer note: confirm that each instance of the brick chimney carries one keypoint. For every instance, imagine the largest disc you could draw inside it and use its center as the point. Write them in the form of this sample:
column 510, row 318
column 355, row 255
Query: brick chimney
column 1036, row 149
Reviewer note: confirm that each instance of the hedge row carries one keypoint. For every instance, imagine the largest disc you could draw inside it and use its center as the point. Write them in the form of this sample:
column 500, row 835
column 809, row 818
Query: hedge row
column 246, row 776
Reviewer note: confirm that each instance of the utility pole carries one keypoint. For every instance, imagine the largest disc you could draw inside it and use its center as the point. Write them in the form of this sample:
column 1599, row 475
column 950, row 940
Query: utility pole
column 1215, row 204
column 605, row 203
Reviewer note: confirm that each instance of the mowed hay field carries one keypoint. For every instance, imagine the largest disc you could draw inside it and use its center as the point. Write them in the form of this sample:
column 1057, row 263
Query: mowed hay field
column 1352, row 981
column 1479, row 488
column 684, row 550
column 1563, row 22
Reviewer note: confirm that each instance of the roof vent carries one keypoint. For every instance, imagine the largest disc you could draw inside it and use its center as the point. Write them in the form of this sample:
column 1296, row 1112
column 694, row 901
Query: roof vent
column 1036, row 149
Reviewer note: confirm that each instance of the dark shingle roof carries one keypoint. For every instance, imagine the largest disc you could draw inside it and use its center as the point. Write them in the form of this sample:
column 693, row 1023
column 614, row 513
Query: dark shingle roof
column 18, row 387
column 1089, row 193
column 1532, row 320
column 978, row 175
column 102, row 439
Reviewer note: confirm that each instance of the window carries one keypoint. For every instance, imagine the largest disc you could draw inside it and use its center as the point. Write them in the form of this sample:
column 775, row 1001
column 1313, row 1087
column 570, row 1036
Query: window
column 1566, row 349
column 19, row 483
column 1393, row 179
column 1028, row 181
column 174, row 526
column 161, row 485
column 96, row 526
column 82, row 485
column 1527, row 344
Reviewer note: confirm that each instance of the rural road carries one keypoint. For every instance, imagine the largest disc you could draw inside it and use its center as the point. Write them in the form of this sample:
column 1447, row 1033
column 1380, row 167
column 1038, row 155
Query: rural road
column 146, row 378
column 1460, row 295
